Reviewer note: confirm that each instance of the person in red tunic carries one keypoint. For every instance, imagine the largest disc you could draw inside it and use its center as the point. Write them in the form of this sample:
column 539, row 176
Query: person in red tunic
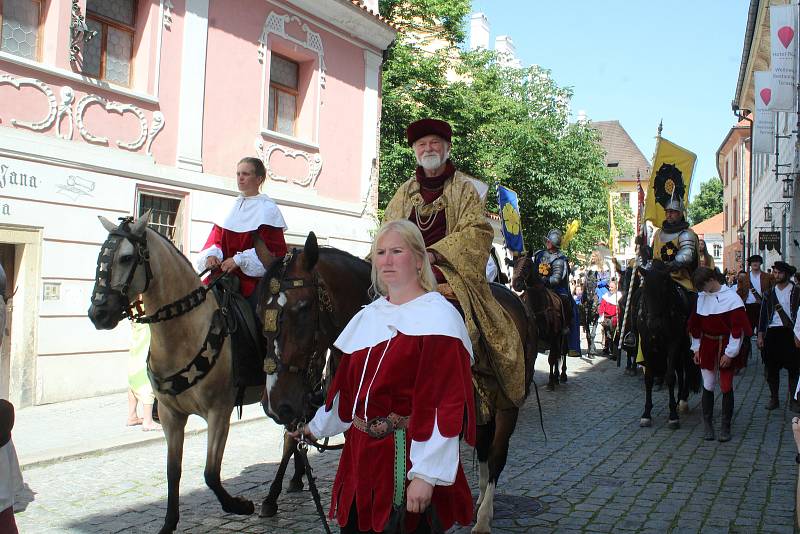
column 406, row 359
column 230, row 244
column 608, row 313
column 718, row 326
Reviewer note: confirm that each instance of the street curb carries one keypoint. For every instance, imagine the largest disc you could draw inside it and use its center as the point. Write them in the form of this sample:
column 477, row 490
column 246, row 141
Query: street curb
column 50, row 459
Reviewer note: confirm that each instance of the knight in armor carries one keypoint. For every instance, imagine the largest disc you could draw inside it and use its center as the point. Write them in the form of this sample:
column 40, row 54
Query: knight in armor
column 676, row 245
column 553, row 267
column 448, row 207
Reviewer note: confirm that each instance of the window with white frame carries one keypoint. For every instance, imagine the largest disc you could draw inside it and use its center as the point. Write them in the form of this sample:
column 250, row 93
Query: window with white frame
column 283, row 95
column 717, row 250
column 166, row 215
column 109, row 55
column 20, row 27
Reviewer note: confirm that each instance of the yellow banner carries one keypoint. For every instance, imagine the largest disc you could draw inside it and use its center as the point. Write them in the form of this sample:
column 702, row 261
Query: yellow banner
column 671, row 174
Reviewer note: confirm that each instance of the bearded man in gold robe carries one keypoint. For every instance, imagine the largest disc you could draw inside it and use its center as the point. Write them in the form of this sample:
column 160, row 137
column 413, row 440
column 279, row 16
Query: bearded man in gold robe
column 449, row 210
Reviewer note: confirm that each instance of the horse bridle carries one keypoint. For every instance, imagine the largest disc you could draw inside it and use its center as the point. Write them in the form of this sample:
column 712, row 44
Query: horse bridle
column 272, row 321
column 133, row 310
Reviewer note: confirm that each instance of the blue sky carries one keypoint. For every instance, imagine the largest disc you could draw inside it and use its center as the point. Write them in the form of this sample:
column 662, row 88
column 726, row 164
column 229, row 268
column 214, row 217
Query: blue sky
column 637, row 61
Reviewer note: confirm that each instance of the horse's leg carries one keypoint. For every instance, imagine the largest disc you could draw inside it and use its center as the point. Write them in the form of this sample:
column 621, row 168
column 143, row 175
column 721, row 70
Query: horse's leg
column 173, row 425
column 672, row 370
column 483, row 444
column 552, row 377
column 646, row 420
column 683, row 387
column 269, row 506
column 564, row 350
column 505, row 422
column 218, row 426
column 296, row 483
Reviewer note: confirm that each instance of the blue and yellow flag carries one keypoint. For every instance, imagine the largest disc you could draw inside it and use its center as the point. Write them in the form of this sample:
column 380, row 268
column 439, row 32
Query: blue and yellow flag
column 509, row 215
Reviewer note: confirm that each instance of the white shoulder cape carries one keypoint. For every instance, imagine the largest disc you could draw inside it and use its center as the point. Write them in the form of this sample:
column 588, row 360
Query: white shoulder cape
column 724, row 300
column 428, row 314
column 248, row 213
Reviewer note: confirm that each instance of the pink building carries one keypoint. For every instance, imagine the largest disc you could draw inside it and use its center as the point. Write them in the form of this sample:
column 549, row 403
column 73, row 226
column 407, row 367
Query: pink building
column 153, row 112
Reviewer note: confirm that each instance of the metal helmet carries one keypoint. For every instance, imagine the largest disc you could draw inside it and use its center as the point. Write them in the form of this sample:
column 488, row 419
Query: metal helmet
column 675, row 203
column 554, row 236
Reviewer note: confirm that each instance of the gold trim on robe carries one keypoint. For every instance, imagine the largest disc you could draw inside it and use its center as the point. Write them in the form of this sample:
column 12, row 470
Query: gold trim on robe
column 499, row 369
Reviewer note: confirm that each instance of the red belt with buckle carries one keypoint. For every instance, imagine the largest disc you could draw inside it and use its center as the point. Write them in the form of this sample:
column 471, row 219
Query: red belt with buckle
column 380, row 427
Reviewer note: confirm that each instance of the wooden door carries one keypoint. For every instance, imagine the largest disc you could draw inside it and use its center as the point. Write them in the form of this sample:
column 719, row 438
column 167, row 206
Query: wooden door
column 7, row 260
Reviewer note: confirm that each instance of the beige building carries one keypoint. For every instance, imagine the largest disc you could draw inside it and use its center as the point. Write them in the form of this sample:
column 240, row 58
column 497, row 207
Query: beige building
column 625, row 159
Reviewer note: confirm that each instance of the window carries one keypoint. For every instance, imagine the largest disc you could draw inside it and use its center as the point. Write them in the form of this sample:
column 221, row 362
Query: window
column 735, row 214
column 165, row 217
column 20, row 30
column 735, row 164
column 108, row 56
column 717, row 250
column 283, row 93
column 625, row 198
column 725, row 218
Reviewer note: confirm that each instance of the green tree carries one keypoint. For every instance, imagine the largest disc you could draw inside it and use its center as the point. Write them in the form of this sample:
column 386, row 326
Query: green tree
column 707, row 203
column 511, row 125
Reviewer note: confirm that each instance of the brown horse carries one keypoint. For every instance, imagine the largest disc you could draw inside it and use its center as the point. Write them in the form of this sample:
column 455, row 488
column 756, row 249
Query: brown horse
column 552, row 316
column 190, row 353
column 314, row 294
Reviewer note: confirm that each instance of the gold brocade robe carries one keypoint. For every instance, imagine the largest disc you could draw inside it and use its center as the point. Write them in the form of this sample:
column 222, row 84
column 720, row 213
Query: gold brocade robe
column 499, row 369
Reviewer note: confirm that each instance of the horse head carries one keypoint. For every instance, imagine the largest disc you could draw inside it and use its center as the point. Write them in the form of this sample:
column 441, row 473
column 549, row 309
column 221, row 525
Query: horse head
column 291, row 311
column 523, row 272
column 122, row 271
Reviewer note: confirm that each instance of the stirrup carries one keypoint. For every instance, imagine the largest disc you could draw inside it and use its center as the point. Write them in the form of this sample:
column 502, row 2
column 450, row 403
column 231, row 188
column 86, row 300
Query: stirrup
column 629, row 341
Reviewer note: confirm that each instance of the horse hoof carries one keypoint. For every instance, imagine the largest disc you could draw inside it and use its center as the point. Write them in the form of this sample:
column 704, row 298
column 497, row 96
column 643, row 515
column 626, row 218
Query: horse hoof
column 563, row 377
column 167, row 530
column 239, row 506
column 674, row 424
column 295, row 486
column 645, row 422
column 683, row 407
column 268, row 509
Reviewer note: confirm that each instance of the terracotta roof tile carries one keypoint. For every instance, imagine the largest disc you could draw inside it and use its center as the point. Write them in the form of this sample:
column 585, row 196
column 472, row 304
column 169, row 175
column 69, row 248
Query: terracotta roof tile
column 360, row 4
column 621, row 149
column 712, row 225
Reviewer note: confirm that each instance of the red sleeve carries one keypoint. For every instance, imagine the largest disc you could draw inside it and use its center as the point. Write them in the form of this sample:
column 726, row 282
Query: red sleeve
column 740, row 324
column 603, row 309
column 341, row 385
column 695, row 328
column 443, row 391
column 273, row 238
column 214, row 238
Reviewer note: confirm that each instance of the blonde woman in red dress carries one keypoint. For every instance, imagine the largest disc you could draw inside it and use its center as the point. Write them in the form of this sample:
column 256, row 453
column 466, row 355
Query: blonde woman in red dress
column 717, row 327
column 406, row 359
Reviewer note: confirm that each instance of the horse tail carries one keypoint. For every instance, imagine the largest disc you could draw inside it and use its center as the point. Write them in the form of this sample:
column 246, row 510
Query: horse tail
column 539, row 405
column 694, row 378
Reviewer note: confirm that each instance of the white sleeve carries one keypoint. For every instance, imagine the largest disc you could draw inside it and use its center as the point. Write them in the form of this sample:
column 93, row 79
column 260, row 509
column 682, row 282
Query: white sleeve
column 435, row 461
column 200, row 262
column 491, row 270
column 695, row 344
column 249, row 263
column 797, row 327
column 734, row 344
column 10, row 475
column 327, row 423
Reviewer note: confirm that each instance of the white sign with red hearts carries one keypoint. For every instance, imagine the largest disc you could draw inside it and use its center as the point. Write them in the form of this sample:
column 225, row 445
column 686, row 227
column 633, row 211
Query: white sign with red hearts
column 764, row 123
column 783, row 44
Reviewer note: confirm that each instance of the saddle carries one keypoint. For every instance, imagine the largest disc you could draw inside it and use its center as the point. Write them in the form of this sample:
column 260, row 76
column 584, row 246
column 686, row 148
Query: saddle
column 241, row 323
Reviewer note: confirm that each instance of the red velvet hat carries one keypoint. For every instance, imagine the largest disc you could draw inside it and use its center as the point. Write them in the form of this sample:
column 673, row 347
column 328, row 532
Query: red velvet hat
column 421, row 128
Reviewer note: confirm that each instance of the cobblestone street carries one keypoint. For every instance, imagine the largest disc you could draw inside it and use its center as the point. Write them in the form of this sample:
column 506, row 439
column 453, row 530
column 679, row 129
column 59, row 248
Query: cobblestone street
column 596, row 472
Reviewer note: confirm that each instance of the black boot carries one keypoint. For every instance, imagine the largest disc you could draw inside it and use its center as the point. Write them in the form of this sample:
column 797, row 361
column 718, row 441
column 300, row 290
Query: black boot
column 708, row 414
column 727, row 414
column 794, row 405
column 773, row 396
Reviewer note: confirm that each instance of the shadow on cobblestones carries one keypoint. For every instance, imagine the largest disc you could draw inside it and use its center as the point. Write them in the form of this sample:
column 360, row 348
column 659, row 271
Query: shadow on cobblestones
column 598, row 471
